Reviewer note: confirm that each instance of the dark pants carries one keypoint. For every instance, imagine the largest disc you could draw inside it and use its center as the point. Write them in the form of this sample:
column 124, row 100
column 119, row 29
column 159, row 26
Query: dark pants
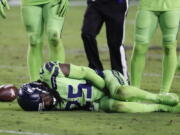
column 113, row 15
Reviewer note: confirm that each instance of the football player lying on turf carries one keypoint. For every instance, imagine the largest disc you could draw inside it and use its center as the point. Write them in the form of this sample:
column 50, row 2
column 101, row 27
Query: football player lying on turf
column 70, row 87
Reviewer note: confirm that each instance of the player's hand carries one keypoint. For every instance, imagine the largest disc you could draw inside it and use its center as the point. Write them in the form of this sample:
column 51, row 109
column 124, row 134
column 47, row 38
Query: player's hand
column 3, row 4
column 63, row 6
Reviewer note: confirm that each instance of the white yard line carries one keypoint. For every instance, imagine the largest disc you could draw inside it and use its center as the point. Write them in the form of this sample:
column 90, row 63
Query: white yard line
column 21, row 132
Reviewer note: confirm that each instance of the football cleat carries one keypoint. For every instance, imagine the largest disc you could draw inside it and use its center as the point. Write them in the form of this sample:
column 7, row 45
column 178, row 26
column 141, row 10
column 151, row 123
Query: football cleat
column 171, row 99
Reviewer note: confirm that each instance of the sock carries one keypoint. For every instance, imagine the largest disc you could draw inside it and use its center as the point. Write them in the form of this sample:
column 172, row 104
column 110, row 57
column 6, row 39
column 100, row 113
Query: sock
column 169, row 66
column 138, row 63
column 57, row 52
column 34, row 59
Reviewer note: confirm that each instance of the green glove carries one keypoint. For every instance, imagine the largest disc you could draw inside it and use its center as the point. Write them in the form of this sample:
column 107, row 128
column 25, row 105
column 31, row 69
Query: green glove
column 3, row 4
column 63, row 6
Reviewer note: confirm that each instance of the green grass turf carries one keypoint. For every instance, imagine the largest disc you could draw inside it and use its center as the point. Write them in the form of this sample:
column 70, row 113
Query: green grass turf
column 13, row 69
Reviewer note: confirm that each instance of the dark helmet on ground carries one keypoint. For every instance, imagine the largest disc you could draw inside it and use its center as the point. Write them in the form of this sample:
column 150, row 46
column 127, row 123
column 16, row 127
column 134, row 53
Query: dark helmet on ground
column 30, row 96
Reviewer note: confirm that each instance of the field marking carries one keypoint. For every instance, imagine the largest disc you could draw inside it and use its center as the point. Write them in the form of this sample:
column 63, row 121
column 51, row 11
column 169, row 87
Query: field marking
column 21, row 132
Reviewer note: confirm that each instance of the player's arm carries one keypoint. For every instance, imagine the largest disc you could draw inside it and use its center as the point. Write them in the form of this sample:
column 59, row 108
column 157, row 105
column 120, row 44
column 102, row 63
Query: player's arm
column 3, row 4
column 80, row 72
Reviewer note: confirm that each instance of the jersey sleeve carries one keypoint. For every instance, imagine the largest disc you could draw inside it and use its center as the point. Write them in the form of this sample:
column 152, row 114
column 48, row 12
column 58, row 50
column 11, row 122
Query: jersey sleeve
column 49, row 72
column 88, row 74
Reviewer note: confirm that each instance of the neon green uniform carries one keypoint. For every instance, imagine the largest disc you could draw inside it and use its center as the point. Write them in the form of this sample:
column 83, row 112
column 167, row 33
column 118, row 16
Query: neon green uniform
column 150, row 13
column 76, row 93
column 35, row 2
column 159, row 5
column 39, row 16
column 83, row 89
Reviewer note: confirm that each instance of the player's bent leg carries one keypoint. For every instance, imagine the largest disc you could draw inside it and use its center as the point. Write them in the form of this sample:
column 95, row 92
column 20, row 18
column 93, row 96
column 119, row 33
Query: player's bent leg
column 143, row 33
column 133, row 94
column 32, row 18
column 111, row 105
column 119, row 89
column 54, row 25
column 169, row 22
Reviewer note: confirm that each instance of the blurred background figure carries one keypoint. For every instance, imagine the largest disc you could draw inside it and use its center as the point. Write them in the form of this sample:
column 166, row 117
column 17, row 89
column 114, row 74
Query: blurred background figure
column 39, row 16
column 166, row 13
column 112, row 13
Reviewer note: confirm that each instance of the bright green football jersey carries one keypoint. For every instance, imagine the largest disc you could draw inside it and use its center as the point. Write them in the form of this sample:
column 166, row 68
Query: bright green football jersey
column 76, row 94
column 159, row 5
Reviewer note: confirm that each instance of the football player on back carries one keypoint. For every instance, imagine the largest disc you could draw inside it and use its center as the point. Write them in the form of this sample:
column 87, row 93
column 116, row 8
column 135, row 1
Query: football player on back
column 166, row 13
column 69, row 87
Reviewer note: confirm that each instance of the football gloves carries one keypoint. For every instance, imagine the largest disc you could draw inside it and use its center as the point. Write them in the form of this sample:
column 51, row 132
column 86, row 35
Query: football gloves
column 3, row 4
column 62, row 7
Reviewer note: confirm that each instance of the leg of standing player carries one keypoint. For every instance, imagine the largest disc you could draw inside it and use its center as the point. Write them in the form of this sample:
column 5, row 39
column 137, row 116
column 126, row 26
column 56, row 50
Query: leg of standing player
column 91, row 26
column 54, row 25
column 115, row 28
column 112, row 105
column 146, row 24
column 169, row 23
column 32, row 17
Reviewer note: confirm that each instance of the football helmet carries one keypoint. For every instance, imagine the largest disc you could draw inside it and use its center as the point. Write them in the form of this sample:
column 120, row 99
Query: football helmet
column 30, row 96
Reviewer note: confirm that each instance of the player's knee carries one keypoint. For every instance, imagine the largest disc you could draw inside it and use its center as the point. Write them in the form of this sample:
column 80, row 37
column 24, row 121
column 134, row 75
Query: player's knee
column 169, row 47
column 120, row 93
column 141, row 39
column 170, row 31
column 117, row 107
column 34, row 41
column 140, row 48
column 111, row 105
column 169, row 39
column 169, row 43
column 106, row 104
column 54, row 37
